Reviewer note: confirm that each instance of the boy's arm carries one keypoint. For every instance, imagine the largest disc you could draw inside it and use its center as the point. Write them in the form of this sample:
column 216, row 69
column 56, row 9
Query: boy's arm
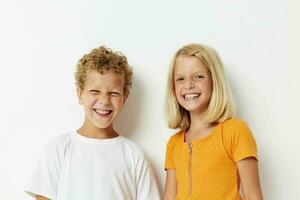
column 248, row 171
column 38, row 197
column 146, row 185
column 171, row 185
column 44, row 182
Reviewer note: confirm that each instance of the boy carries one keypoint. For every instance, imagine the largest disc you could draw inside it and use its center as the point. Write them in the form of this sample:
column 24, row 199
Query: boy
column 95, row 162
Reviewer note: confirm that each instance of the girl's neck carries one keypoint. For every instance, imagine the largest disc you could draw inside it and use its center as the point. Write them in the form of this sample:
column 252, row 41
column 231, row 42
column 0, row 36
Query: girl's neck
column 198, row 128
column 199, row 125
column 197, row 121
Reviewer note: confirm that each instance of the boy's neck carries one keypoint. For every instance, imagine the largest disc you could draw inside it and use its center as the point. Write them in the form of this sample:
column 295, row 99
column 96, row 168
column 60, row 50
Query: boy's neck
column 98, row 133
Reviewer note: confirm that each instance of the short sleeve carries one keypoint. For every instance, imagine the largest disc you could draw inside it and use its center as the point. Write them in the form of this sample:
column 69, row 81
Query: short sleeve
column 45, row 178
column 239, row 141
column 146, row 185
column 169, row 162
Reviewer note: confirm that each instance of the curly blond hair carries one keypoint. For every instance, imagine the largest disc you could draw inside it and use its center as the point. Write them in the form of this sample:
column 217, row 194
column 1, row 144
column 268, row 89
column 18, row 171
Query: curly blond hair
column 103, row 59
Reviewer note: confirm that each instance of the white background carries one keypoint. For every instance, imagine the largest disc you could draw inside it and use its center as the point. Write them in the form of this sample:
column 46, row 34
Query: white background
column 41, row 42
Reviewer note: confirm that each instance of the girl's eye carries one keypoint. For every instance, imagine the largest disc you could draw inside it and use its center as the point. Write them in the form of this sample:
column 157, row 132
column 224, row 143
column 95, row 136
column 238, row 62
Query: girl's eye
column 199, row 77
column 179, row 79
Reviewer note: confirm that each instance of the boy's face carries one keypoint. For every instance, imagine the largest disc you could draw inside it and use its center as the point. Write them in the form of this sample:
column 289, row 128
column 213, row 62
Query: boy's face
column 102, row 98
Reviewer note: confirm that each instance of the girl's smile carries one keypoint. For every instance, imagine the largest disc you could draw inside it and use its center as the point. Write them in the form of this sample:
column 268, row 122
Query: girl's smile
column 193, row 84
column 191, row 96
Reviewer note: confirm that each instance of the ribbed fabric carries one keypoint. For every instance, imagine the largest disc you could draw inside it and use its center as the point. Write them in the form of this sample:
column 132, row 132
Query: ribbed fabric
column 214, row 174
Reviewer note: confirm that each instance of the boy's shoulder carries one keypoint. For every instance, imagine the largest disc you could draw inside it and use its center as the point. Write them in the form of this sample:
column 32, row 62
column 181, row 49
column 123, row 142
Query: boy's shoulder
column 132, row 147
column 60, row 138
column 58, row 142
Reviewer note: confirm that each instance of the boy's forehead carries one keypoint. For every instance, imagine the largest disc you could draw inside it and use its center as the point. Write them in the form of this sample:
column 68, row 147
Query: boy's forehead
column 107, row 78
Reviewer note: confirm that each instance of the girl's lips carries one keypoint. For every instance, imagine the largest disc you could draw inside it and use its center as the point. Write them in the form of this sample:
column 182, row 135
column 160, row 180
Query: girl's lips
column 189, row 96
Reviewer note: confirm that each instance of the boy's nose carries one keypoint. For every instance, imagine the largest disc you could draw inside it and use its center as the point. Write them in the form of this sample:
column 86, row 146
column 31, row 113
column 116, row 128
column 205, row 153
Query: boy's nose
column 103, row 100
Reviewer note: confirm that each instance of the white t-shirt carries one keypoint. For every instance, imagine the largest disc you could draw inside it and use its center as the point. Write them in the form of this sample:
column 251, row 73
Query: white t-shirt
column 74, row 167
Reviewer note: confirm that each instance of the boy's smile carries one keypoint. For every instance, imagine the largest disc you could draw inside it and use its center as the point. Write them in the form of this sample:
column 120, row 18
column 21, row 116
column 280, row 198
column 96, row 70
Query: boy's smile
column 102, row 113
column 102, row 98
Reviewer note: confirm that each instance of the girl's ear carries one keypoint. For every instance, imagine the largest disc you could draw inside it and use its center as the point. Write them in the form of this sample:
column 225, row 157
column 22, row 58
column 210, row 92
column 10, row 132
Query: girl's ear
column 79, row 91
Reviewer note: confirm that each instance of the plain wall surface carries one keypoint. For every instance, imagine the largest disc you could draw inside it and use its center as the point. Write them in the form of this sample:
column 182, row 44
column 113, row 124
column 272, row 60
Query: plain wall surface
column 41, row 42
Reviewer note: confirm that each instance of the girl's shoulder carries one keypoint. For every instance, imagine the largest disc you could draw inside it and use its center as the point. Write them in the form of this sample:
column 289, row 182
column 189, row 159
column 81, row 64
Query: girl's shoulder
column 235, row 128
column 176, row 137
column 235, row 123
column 238, row 140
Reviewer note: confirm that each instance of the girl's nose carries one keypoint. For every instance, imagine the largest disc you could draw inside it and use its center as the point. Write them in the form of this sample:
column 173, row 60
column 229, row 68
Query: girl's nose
column 189, row 85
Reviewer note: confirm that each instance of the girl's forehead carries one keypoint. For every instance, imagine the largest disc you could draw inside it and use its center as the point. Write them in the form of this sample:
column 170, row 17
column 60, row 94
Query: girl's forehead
column 188, row 64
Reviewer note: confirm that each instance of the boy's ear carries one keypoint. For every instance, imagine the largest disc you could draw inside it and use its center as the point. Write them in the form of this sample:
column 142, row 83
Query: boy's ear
column 125, row 96
column 79, row 91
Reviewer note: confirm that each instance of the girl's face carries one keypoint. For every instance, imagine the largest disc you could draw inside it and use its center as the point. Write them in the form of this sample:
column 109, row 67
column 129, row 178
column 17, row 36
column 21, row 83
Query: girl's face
column 193, row 84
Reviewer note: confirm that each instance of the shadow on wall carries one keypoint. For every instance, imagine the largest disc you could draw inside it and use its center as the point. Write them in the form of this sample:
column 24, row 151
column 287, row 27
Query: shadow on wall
column 255, row 121
column 156, row 175
column 128, row 120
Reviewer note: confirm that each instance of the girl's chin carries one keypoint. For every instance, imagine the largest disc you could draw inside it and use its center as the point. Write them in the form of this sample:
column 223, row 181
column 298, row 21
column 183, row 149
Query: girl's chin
column 195, row 110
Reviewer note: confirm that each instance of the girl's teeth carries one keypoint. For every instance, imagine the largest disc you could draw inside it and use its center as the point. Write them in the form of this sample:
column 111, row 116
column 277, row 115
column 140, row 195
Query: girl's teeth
column 189, row 96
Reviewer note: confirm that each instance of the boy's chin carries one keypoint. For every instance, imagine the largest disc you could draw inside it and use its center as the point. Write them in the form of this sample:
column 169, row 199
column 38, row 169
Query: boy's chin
column 102, row 126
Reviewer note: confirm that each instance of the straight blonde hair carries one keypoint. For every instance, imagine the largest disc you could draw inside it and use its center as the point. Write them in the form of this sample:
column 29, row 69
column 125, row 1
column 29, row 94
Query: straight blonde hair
column 221, row 106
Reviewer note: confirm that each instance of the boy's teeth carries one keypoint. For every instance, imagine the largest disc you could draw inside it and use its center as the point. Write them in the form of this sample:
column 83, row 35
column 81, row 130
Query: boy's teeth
column 189, row 96
column 102, row 112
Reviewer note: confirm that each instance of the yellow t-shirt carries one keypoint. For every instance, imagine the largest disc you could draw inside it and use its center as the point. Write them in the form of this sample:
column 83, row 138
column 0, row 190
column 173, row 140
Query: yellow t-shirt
column 206, row 169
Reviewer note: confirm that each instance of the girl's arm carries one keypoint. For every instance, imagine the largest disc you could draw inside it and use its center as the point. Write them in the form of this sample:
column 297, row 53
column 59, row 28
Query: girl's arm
column 248, row 171
column 170, row 186
column 38, row 197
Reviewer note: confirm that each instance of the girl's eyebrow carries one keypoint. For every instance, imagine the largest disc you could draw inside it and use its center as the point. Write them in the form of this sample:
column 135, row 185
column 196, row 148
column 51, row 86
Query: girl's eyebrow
column 177, row 74
column 200, row 71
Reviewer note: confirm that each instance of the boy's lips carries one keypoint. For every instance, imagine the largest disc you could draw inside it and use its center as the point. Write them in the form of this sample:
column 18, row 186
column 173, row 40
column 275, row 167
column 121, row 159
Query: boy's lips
column 102, row 112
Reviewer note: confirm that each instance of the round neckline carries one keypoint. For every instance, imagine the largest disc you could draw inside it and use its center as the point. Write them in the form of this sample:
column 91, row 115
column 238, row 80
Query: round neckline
column 96, row 140
column 208, row 136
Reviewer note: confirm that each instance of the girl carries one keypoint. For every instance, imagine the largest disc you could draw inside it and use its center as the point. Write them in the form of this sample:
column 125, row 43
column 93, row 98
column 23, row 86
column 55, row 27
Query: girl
column 214, row 152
